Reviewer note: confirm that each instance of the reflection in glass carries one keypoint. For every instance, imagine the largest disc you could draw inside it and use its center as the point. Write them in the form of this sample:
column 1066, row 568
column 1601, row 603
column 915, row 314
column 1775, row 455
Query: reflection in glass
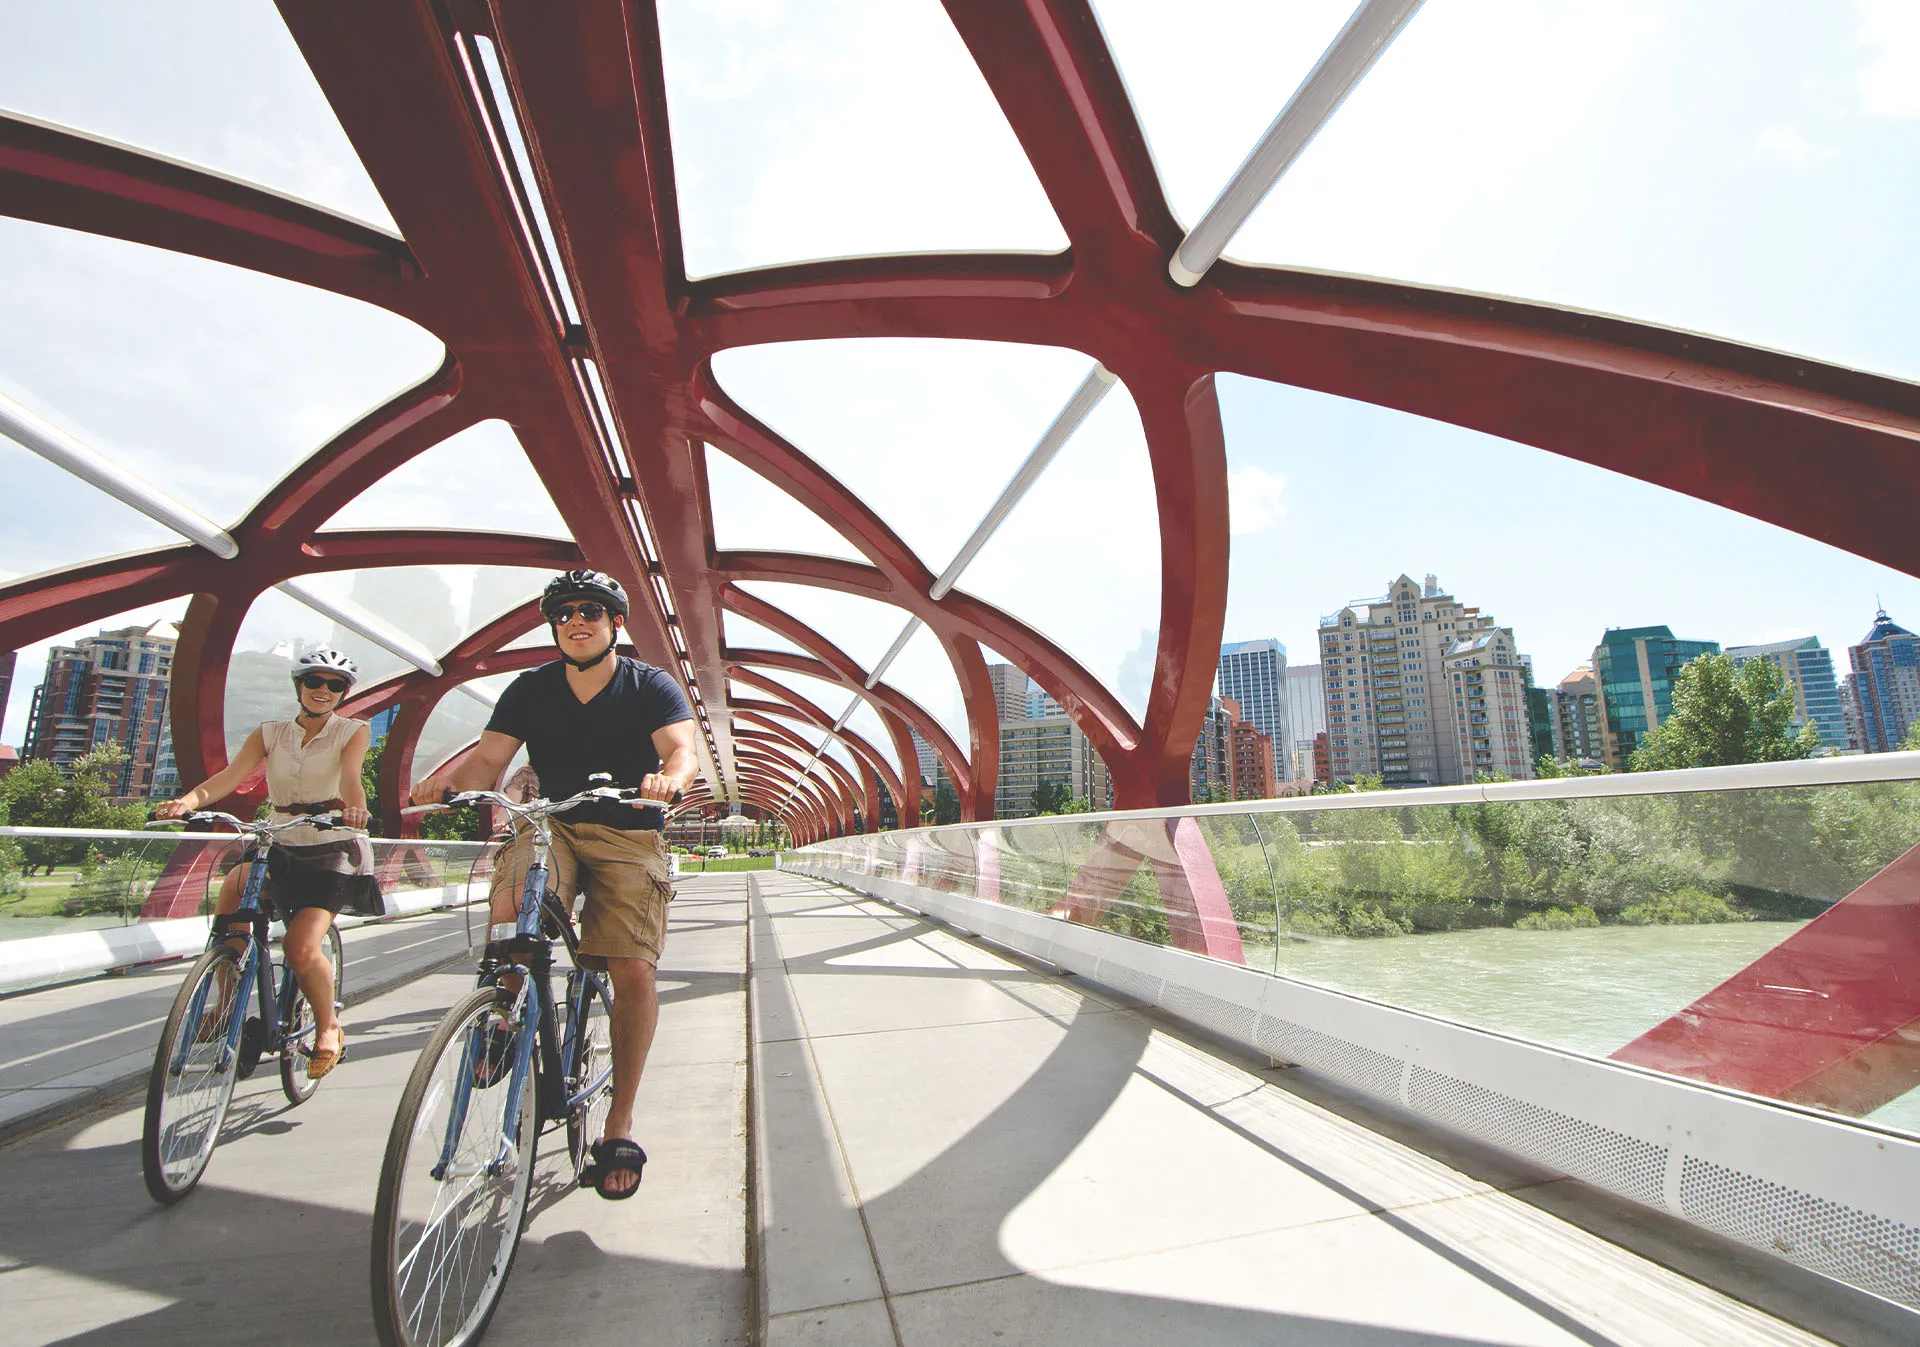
column 1762, row 940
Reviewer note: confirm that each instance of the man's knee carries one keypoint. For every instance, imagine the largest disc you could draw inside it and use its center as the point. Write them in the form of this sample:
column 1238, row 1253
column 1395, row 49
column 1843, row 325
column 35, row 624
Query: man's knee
column 631, row 977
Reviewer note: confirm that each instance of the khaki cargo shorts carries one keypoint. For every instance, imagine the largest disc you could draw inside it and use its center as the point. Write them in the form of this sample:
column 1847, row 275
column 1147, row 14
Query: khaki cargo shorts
column 624, row 874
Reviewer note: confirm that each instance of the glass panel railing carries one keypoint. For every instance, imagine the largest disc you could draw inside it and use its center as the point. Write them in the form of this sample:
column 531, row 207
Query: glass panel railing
column 1764, row 938
column 58, row 881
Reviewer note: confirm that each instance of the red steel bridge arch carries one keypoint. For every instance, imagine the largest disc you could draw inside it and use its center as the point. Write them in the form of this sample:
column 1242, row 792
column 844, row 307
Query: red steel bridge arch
column 1756, row 431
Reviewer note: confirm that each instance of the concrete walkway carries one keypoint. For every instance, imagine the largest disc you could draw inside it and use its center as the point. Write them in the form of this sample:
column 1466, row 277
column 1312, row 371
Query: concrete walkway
column 273, row 1246
column 956, row 1148
column 71, row 1046
column 949, row 1146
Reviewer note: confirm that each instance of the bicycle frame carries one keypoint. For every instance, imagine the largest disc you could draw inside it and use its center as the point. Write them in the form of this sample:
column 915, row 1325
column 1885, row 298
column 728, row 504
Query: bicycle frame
column 256, row 968
column 535, row 985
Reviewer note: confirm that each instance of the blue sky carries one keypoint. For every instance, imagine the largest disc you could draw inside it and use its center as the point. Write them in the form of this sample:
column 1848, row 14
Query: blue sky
column 1751, row 170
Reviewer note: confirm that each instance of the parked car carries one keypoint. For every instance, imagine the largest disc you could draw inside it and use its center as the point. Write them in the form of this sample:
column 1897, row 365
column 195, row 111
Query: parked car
column 716, row 853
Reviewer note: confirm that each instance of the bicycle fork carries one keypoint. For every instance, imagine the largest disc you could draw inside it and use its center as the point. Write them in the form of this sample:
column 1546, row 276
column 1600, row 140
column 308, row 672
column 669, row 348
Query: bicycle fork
column 230, row 1049
column 463, row 1084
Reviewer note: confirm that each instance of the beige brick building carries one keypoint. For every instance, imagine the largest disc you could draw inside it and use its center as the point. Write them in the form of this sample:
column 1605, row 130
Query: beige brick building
column 1422, row 690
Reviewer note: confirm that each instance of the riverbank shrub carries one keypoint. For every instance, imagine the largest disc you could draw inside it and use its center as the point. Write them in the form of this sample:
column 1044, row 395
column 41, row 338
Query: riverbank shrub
column 1688, row 907
column 1558, row 919
column 110, row 884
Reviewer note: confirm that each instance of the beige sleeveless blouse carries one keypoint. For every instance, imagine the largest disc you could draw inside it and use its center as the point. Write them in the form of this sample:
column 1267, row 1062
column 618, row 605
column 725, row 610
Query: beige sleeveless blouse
column 304, row 773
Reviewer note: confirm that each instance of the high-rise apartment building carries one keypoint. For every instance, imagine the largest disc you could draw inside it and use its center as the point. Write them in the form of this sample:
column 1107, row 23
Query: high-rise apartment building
column 1254, row 674
column 1540, row 716
column 1010, row 688
column 8, row 659
column 1807, row 667
column 1850, row 714
column 1576, row 717
column 1209, row 773
column 1306, row 720
column 1036, row 748
column 109, row 689
column 1886, row 680
column 1049, row 749
column 1040, row 703
column 1250, row 772
column 1637, row 668
column 1387, row 666
column 929, row 760
column 1493, row 724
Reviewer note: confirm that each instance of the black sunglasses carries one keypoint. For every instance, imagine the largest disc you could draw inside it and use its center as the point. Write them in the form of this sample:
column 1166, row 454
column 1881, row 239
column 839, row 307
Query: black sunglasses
column 591, row 612
column 314, row 682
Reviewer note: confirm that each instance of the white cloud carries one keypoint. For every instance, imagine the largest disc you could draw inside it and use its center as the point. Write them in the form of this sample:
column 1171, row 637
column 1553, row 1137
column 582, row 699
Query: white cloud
column 1254, row 499
column 1790, row 147
column 1889, row 84
column 838, row 128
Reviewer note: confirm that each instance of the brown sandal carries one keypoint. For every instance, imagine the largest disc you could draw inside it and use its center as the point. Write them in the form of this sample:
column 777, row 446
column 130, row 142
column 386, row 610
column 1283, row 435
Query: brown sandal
column 322, row 1060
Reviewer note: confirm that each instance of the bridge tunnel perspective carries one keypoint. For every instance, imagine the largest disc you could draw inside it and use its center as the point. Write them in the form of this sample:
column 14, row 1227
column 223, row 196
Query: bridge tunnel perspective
column 978, row 400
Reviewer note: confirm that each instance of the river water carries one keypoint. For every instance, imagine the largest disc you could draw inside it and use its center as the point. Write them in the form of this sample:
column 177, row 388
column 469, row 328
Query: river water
column 1590, row 991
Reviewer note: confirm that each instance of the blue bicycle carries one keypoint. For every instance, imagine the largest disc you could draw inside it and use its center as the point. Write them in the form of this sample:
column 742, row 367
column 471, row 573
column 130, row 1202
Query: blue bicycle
column 210, row 1043
column 503, row 1064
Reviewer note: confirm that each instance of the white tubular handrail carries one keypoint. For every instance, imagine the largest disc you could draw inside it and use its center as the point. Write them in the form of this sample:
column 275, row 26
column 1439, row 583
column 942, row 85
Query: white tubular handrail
column 1853, row 770
column 34, row 432
column 126, row 835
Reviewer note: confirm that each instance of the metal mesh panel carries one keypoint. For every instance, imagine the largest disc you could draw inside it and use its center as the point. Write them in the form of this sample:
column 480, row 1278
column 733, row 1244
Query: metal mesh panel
column 1373, row 1072
column 1228, row 1018
column 1603, row 1157
column 1123, row 978
column 1872, row 1252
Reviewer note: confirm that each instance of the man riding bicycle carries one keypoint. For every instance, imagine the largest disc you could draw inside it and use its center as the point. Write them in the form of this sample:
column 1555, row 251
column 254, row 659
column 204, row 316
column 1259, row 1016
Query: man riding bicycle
column 593, row 712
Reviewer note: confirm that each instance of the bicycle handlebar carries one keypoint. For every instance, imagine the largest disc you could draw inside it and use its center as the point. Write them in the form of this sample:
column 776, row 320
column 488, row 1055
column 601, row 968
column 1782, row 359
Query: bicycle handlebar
column 626, row 795
column 324, row 821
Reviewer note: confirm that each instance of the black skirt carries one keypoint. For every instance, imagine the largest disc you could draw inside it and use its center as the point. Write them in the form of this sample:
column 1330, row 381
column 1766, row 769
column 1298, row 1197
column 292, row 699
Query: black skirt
column 337, row 876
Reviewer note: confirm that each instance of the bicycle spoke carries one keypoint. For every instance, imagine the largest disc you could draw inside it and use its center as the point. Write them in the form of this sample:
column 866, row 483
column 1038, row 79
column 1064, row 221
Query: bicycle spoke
column 457, row 1187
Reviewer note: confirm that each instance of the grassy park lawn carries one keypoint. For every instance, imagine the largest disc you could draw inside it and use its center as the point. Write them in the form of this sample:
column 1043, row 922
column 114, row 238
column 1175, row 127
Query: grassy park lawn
column 693, row 865
column 46, row 896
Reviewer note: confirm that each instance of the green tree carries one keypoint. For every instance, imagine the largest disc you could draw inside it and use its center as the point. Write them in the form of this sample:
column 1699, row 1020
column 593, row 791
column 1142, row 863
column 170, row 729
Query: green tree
column 1547, row 768
column 1050, row 796
column 12, row 862
column 1079, row 804
column 946, row 805
column 370, row 782
column 38, row 795
column 1722, row 716
column 1913, row 736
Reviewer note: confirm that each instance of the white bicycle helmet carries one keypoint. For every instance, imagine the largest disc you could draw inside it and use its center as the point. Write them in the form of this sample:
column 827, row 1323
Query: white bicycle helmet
column 325, row 659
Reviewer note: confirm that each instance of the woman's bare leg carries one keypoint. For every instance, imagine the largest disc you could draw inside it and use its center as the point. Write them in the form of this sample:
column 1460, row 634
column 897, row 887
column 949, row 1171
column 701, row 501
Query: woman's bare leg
column 304, row 947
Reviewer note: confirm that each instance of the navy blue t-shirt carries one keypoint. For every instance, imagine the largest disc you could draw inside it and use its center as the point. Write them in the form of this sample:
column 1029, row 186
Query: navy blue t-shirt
column 569, row 740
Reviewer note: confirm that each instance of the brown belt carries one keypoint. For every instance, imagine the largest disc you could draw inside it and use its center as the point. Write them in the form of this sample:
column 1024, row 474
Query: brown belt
column 311, row 807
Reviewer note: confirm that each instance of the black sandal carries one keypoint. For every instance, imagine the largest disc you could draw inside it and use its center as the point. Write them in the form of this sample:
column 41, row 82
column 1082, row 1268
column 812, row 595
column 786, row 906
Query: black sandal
column 610, row 1156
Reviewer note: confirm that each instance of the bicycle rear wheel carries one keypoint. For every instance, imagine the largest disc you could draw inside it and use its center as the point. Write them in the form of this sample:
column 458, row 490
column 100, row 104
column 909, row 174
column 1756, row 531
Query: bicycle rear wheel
column 298, row 1041
column 193, row 1076
column 453, row 1188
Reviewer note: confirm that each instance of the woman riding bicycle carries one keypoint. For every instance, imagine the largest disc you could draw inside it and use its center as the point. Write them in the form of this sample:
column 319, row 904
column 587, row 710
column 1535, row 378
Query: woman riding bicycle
column 313, row 767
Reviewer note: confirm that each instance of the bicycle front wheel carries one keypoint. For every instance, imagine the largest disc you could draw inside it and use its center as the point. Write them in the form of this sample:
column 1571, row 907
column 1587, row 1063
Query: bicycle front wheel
column 297, row 1045
column 588, row 1030
column 194, row 1071
column 453, row 1189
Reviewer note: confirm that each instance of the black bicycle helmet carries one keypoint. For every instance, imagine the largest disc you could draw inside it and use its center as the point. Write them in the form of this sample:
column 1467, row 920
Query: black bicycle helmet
column 582, row 584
